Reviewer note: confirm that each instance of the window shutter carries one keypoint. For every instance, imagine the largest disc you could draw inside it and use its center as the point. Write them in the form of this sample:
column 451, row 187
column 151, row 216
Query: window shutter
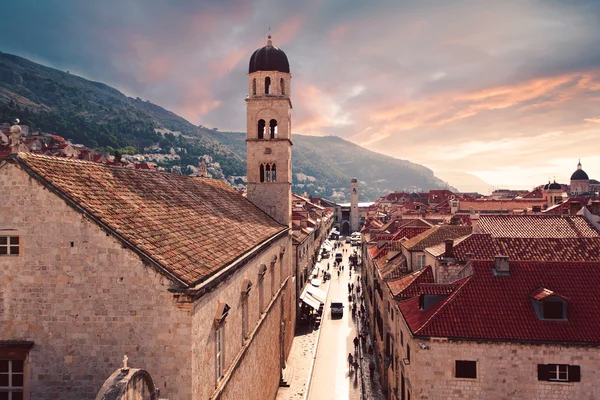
column 574, row 373
column 543, row 372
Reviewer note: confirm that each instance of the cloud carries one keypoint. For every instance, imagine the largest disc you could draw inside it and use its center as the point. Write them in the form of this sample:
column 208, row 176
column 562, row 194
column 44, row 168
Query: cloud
column 488, row 88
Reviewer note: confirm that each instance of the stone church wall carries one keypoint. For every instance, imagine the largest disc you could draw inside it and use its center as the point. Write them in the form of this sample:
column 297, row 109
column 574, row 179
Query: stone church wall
column 261, row 349
column 83, row 300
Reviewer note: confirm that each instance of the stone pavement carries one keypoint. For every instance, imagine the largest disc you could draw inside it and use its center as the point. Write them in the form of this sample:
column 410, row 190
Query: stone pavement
column 301, row 360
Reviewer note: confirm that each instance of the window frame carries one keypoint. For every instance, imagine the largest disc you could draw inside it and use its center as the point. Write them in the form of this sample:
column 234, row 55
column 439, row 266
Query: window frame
column 465, row 365
column 9, row 245
column 219, row 353
column 556, row 370
column 10, row 373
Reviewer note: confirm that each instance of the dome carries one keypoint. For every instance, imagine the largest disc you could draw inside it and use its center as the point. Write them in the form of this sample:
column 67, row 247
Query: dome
column 269, row 58
column 554, row 186
column 546, row 186
column 579, row 174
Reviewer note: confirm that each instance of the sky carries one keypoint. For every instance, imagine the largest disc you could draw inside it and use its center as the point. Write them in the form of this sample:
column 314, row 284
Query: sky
column 508, row 91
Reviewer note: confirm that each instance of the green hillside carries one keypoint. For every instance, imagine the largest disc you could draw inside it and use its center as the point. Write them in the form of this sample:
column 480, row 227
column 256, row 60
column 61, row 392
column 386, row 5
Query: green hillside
column 103, row 118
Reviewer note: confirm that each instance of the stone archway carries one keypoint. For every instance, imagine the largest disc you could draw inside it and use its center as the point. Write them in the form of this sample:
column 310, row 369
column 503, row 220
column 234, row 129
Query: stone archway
column 345, row 228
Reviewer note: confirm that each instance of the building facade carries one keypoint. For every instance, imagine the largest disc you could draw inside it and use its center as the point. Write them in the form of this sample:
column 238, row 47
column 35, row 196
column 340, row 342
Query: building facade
column 185, row 276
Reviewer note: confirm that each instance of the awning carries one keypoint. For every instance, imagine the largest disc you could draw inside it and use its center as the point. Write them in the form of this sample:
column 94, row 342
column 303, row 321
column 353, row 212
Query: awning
column 320, row 266
column 315, row 272
column 311, row 301
column 317, row 293
column 316, row 282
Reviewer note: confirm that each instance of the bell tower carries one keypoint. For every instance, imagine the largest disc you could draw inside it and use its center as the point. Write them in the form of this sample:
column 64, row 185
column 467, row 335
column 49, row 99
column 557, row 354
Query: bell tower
column 354, row 214
column 268, row 133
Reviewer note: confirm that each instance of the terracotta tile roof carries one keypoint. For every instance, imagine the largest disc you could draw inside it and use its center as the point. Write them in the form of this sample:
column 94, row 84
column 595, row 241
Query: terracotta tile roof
column 436, row 235
column 407, row 286
column 536, row 226
column 489, row 307
column 499, row 205
column 549, row 249
column 409, row 232
column 192, row 227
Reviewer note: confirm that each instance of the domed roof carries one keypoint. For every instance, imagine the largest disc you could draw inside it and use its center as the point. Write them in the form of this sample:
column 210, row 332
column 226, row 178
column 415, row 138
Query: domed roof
column 554, row 186
column 579, row 174
column 269, row 58
column 546, row 185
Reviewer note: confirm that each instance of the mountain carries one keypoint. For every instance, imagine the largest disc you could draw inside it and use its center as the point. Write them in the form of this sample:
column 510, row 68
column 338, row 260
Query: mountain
column 465, row 182
column 324, row 165
column 103, row 118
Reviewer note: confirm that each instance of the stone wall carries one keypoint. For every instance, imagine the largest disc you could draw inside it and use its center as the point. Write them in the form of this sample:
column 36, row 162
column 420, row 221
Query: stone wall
column 261, row 347
column 84, row 300
column 504, row 370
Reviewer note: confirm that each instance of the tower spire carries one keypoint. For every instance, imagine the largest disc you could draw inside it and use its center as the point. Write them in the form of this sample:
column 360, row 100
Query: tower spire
column 269, row 41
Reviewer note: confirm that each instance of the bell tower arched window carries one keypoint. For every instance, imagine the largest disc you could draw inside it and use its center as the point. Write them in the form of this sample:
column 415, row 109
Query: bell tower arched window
column 273, row 174
column 262, row 172
column 268, row 172
column 254, row 87
column 282, row 86
column 261, row 128
column 267, row 85
column 273, row 128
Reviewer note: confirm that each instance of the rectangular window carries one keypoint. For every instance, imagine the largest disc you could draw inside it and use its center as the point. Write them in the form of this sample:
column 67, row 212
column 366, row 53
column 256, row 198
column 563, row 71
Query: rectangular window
column 402, row 338
column 465, row 369
column 553, row 309
column 244, row 318
column 11, row 379
column 9, row 245
column 559, row 372
column 420, row 262
column 408, row 352
column 219, row 353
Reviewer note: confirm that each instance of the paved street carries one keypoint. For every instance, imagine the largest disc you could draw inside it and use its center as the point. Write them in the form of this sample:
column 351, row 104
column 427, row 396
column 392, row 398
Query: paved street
column 331, row 378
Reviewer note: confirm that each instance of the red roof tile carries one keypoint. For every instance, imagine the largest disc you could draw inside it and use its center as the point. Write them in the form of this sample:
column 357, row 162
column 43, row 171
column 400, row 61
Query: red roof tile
column 536, row 226
column 489, row 307
column 192, row 227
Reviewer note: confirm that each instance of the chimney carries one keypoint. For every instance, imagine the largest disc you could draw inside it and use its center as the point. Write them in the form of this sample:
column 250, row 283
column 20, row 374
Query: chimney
column 574, row 207
column 475, row 223
column 501, row 265
column 449, row 251
column 469, row 257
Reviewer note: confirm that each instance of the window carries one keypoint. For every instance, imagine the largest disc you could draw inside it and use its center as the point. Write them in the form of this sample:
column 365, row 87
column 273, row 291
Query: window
column 408, row 352
column 267, row 85
column 282, row 86
column 465, row 369
column 559, row 372
column 273, row 128
column 261, row 278
column 219, row 352
column 268, row 172
column 11, row 379
column 9, row 245
column 261, row 128
column 273, row 174
column 254, row 87
column 402, row 338
column 420, row 261
column 262, row 172
column 272, row 279
column 553, row 309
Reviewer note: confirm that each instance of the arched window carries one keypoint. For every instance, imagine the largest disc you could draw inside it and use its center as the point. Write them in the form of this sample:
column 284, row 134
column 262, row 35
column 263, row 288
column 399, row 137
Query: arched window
column 261, row 128
column 267, row 85
column 268, row 172
column 262, row 172
column 273, row 174
column 273, row 128
column 254, row 87
column 282, row 86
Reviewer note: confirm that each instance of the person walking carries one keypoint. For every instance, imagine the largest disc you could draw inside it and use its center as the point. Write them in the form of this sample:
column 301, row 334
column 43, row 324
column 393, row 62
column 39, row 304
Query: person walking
column 356, row 341
column 350, row 361
column 372, row 369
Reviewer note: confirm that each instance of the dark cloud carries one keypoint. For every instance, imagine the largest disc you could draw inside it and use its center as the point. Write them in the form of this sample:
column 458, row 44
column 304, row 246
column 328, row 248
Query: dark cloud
column 403, row 77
